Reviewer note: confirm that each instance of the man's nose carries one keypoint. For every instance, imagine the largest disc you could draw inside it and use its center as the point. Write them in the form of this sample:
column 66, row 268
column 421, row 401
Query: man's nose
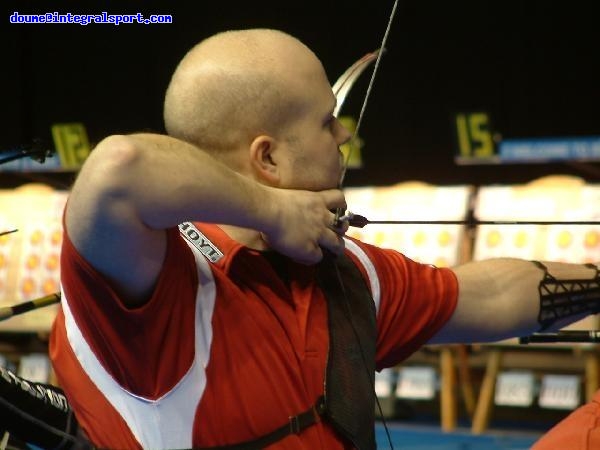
column 342, row 133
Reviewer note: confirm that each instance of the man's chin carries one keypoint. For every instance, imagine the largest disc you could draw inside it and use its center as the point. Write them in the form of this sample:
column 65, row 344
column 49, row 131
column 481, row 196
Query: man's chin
column 318, row 187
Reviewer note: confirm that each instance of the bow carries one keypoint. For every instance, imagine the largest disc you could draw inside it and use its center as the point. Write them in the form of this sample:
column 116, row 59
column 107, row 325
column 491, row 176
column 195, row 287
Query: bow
column 345, row 83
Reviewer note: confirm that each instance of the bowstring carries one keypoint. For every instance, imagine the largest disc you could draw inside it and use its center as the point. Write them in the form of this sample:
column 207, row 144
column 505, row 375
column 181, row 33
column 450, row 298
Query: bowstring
column 368, row 93
column 340, row 212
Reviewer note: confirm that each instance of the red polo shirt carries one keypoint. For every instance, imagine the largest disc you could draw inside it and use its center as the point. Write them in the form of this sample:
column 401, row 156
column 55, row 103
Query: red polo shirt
column 223, row 352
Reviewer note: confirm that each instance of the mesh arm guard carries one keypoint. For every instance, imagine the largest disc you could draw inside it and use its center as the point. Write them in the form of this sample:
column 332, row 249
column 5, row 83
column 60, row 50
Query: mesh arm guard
column 564, row 298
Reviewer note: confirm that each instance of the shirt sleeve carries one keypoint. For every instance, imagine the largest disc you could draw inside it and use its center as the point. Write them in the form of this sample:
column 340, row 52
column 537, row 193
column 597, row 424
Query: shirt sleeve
column 145, row 349
column 416, row 301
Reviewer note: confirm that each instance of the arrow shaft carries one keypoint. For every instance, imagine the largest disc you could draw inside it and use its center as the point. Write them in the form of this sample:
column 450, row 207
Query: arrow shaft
column 479, row 222
column 9, row 311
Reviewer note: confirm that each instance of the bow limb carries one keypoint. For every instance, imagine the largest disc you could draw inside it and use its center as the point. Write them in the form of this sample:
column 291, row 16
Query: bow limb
column 344, row 83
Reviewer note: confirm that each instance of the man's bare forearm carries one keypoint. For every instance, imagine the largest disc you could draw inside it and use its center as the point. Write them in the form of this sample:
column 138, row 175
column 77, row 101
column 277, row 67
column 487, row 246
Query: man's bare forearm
column 168, row 181
column 132, row 187
column 500, row 298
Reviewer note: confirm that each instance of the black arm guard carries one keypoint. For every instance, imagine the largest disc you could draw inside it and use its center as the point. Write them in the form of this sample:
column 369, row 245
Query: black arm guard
column 565, row 298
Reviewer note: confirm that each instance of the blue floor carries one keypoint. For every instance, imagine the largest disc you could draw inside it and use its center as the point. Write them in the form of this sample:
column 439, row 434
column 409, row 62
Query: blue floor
column 408, row 437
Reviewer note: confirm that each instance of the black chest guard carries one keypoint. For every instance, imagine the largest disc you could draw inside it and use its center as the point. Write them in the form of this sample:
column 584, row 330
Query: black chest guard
column 349, row 391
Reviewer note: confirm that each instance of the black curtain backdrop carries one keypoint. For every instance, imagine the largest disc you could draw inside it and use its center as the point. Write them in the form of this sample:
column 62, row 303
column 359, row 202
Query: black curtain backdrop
column 532, row 65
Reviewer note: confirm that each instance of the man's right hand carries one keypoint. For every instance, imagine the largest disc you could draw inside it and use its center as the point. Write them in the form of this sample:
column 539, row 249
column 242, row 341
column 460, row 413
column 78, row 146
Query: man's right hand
column 301, row 223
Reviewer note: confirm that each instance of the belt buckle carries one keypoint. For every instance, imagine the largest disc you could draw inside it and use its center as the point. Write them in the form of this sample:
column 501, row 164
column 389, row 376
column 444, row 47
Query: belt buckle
column 294, row 425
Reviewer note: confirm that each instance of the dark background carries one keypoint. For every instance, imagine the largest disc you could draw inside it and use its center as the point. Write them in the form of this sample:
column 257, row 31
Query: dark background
column 532, row 65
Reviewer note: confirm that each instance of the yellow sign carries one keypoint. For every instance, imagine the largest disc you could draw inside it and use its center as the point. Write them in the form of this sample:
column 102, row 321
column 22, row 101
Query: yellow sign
column 352, row 149
column 72, row 145
column 475, row 140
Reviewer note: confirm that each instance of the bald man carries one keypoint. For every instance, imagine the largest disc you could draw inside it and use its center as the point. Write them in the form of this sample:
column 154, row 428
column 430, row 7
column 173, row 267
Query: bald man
column 198, row 307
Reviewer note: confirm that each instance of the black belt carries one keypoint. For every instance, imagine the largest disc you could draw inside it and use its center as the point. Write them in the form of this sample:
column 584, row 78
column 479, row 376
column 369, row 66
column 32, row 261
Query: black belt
column 295, row 425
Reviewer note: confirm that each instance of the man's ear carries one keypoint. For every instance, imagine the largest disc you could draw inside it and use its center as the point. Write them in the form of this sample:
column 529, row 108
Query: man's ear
column 263, row 159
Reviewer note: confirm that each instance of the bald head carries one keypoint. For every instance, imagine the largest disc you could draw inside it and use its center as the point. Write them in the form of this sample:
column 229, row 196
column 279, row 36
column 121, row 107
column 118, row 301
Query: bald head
column 236, row 85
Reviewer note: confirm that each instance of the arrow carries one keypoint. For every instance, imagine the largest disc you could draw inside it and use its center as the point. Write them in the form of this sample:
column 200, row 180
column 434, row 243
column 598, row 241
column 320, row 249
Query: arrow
column 358, row 221
column 7, row 312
